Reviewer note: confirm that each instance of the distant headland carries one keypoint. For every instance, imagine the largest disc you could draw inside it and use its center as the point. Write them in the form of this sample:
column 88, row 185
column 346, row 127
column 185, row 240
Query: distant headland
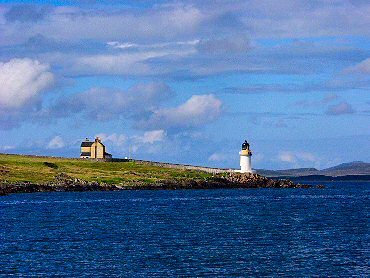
column 356, row 170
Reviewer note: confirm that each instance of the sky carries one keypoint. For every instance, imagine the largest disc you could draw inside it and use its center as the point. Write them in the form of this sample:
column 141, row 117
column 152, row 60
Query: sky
column 188, row 81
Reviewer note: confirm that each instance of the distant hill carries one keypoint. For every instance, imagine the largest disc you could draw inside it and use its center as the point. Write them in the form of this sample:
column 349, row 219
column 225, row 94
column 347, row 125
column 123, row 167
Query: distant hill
column 351, row 168
column 289, row 172
column 344, row 169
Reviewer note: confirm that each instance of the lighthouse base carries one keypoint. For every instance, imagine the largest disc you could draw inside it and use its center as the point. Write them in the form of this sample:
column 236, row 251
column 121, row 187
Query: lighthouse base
column 244, row 172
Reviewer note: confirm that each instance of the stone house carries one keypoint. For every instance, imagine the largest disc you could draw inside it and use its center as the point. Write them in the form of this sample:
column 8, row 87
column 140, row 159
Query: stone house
column 94, row 149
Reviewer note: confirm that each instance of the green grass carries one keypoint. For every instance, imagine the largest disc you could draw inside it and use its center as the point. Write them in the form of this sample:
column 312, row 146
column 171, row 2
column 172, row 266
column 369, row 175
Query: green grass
column 18, row 168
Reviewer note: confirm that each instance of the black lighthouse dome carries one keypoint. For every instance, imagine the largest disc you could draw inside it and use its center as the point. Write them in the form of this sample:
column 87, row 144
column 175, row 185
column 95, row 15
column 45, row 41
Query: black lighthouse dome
column 245, row 145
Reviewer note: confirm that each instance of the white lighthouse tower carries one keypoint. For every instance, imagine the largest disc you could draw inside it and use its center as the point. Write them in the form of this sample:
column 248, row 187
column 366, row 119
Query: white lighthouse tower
column 245, row 158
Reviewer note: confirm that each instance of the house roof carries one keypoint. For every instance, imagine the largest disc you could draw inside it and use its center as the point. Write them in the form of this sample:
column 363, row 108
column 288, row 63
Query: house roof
column 85, row 154
column 86, row 144
column 99, row 142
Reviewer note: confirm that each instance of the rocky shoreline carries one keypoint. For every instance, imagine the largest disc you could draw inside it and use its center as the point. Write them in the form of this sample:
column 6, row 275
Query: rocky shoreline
column 64, row 183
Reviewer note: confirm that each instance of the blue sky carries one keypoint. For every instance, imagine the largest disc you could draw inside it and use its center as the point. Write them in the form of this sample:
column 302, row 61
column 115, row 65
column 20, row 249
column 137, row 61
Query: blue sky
column 188, row 81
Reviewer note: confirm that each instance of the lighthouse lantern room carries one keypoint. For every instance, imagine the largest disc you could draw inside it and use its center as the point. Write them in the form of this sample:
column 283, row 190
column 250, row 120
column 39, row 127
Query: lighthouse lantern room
column 245, row 158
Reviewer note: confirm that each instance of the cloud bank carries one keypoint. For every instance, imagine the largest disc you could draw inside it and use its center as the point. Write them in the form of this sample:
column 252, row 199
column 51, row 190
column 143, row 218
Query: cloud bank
column 141, row 103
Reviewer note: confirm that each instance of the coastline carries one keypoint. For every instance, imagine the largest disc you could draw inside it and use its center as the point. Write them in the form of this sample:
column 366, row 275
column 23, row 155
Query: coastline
column 65, row 183
column 28, row 174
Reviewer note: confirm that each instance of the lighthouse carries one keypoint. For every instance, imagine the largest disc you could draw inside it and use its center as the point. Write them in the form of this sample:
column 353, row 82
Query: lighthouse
column 245, row 158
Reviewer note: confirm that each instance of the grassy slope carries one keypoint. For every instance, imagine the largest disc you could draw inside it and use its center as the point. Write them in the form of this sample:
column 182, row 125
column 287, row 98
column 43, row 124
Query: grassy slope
column 17, row 168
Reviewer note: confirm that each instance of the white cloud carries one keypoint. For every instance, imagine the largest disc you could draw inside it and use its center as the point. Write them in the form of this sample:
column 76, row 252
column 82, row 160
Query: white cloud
column 123, row 140
column 150, row 142
column 153, row 136
column 126, row 45
column 6, row 148
column 287, row 157
column 306, row 156
column 56, row 143
column 195, row 112
column 147, row 142
column 114, row 139
column 218, row 157
column 22, row 80
column 119, row 45
column 294, row 157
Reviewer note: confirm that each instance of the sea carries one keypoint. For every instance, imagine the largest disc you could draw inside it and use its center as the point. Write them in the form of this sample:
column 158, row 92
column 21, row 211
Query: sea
column 188, row 233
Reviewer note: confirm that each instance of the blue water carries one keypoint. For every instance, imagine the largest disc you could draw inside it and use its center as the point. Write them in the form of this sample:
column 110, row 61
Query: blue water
column 256, row 232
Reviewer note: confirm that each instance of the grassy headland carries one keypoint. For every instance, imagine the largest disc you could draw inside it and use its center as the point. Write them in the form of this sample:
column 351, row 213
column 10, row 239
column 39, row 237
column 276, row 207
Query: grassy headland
column 23, row 174
column 33, row 169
